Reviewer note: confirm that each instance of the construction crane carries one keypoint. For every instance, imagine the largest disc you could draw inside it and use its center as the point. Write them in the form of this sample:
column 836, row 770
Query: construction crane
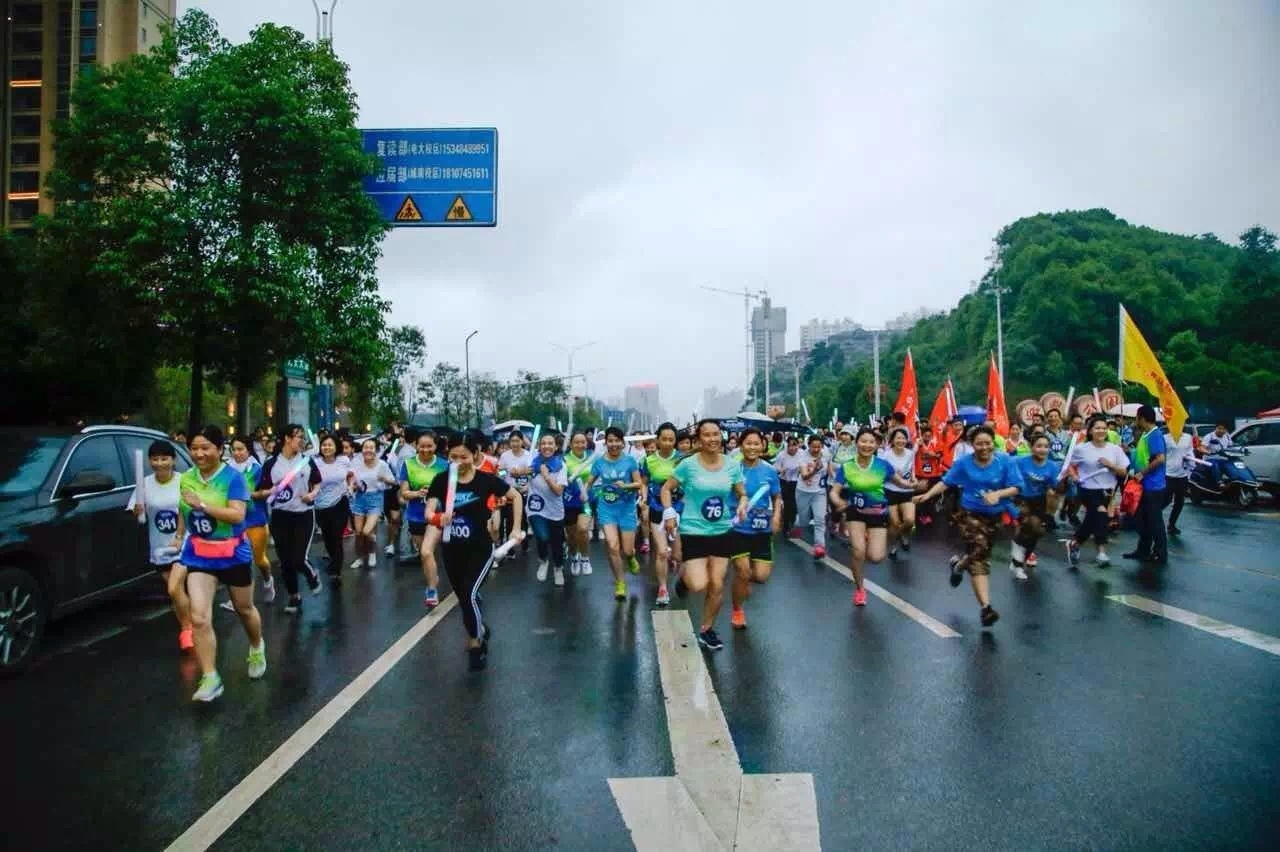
column 746, row 296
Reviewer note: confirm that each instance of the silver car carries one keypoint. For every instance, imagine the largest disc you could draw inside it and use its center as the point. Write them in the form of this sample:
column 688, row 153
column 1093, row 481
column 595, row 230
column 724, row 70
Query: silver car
column 1262, row 437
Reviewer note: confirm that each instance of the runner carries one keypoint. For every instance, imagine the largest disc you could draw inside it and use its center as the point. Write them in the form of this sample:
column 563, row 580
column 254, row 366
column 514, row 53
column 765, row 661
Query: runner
column 1016, row 444
column 1097, row 467
column 843, row 452
column 400, row 448
column 619, row 477
column 811, row 495
column 655, row 471
column 468, row 554
column 416, row 476
column 293, row 518
column 753, row 535
column 515, row 461
column 373, row 476
column 710, row 481
column 640, row 449
column 928, row 470
column 902, row 512
column 160, row 496
column 1040, row 476
column 213, row 501
column 546, row 508
column 788, row 463
column 332, row 508
column 255, row 519
column 577, row 520
column 987, row 481
column 858, row 493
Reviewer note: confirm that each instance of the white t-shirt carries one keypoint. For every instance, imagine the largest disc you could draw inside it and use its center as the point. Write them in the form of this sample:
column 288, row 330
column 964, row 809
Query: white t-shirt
column 162, row 515
column 816, row 482
column 1089, row 459
column 1214, row 443
column 961, row 449
column 544, row 502
column 788, row 465
column 509, row 461
column 903, row 465
column 333, row 481
column 372, row 478
column 1178, row 458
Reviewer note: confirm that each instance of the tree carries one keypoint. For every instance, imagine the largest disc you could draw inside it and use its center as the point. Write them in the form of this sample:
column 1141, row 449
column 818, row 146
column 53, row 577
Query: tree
column 445, row 391
column 224, row 184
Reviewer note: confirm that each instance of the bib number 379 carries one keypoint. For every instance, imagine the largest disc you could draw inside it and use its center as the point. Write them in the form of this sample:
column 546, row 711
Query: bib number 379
column 713, row 508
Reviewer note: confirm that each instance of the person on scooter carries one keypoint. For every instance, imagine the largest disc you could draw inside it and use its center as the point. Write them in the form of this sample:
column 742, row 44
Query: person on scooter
column 1218, row 441
column 1148, row 468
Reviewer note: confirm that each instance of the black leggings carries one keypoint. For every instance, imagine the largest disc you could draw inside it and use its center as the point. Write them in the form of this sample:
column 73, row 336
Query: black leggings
column 1176, row 493
column 467, row 566
column 291, row 532
column 332, row 521
column 788, row 506
column 1096, row 521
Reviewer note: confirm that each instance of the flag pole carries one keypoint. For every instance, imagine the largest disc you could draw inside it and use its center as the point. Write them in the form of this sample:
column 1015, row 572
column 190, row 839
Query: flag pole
column 1120, row 355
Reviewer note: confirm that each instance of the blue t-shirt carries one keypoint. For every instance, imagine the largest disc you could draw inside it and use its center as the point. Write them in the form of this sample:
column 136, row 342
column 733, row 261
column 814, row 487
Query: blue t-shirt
column 1148, row 447
column 614, row 472
column 974, row 481
column 759, row 520
column 1037, row 479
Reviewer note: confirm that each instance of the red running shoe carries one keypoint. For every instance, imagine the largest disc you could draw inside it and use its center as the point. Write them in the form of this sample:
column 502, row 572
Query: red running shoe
column 1032, row 561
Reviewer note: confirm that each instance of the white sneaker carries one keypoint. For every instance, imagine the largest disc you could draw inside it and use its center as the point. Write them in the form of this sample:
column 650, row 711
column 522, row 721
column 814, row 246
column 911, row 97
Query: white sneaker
column 258, row 660
column 1018, row 552
column 559, row 576
column 542, row 571
column 318, row 587
column 269, row 589
column 389, row 550
column 1018, row 572
column 1103, row 559
column 586, row 567
column 209, row 689
column 359, row 563
column 575, row 565
column 228, row 606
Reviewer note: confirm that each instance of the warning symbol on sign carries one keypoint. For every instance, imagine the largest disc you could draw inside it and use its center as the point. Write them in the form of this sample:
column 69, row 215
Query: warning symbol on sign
column 409, row 211
column 458, row 211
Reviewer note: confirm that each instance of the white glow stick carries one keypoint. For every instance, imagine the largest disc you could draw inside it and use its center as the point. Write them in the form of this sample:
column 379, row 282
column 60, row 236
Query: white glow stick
column 1066, row 460
column 139, row 493
column 502, row 550
column 758, row 496
column 451, row 491
column 1071, row 394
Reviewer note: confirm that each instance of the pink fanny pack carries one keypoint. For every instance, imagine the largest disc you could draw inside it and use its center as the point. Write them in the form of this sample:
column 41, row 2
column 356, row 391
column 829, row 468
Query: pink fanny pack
column 220, row 548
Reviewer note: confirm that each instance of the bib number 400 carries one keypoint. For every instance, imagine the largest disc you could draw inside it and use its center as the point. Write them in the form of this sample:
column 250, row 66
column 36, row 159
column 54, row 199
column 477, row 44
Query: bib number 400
column 459, row 531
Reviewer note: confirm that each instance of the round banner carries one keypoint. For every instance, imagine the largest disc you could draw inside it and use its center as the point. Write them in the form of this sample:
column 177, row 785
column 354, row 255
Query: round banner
column 1110, row 398
column 1053, row 400
column 1085, row 405
column 1027, row 411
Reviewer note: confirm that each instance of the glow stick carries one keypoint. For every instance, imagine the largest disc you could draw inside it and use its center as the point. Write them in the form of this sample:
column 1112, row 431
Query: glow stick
column 502, row 550
column 1071, row 394
column 139, row 493
column 805, row 406
column 303, row 461
column 610, row 423
column 450, row 493
column 1066, row 460
column 758, row 496
column 314, row 441
column 537, row 431
column 1097, row 402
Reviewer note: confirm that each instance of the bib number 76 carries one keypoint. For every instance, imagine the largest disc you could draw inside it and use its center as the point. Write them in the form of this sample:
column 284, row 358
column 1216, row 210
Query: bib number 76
column 713, row 508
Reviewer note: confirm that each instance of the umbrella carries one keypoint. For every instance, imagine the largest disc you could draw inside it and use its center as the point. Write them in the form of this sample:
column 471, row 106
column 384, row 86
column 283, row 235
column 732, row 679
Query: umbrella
column 1130, row 409
column 1275, row 412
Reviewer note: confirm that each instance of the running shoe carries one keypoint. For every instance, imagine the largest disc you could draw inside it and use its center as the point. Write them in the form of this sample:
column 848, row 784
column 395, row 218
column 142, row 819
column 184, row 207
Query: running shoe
column 295, row 601
column 664, row 597
column 359, row 563
column 893, row 554
column 1032, row 561
column 586, row 567
column 389, row 550
column 644, row 547
column 957, row 572
column 575, row 565
column 542, row 571
column 185, row 640
column 258, row 660
column 1073, row 553
column 477, row 658
column 989, row 616
column 709, row 640
column 795, row 532
column 620, row 590
column 1174, row 530
column 269, row 589
column 819, row 552
column 227, row 605
column 906, row 543
column 739, row 618
column 317, row 587
column 431, row 598
column 1103, row 560
column 559, row 576
column 210, row 688
column 1017, row 571
column 633, row 565
column 348, row 532
column 1018, row 552
column 859, row 597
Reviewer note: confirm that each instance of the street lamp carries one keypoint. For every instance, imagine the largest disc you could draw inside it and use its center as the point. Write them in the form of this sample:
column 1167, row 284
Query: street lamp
column 571, row 350
column 996, row 264
column 466, row 350
column 324, row 22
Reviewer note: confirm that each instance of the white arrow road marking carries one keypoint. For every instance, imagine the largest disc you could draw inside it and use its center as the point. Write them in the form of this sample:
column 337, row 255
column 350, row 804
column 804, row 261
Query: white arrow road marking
column 911, row 612
column 709, row 804
column 1243, row 635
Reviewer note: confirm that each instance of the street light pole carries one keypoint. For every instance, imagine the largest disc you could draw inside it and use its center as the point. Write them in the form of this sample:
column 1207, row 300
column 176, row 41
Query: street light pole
column 571, row 350
column 324, row 22
column 768, row 352
column 466, row 349
column 996, row 264
column 875, row 354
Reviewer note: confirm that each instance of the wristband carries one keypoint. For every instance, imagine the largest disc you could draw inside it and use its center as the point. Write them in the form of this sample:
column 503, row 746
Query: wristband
column 670, row 514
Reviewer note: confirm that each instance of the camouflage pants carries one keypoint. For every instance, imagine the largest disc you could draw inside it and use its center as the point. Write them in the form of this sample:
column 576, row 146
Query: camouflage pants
column 978, row 532
column 1031, row 514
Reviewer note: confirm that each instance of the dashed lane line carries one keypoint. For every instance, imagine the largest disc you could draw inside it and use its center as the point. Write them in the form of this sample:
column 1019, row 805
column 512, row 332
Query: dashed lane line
column 1243, row 635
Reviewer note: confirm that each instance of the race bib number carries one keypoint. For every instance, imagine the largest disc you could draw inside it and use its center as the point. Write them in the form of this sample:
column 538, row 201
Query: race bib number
column 167, row 521
column 284, row 495
column 201, row 524
column 713, row 508
column 759, row 523
column 535, row 503
column 859, row 501
column 926, row 468
column 459, row 530
column 1057, row 447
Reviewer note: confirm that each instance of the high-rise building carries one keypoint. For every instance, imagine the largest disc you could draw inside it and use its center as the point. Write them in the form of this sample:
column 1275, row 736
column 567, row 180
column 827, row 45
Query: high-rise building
column 44, row 46
column 817, row 330
column 718, row 403
column 768, row 333
column 643, row 399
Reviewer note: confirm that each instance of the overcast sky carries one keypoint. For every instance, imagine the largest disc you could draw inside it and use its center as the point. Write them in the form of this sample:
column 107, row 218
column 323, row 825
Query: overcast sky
column 851, row 158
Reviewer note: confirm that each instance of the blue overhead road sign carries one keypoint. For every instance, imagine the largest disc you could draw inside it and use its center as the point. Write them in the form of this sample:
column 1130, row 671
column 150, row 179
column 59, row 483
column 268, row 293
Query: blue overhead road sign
column 437, row 177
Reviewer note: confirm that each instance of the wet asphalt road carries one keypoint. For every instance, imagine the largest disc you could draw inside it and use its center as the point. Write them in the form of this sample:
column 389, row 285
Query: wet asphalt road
column 1076, row 722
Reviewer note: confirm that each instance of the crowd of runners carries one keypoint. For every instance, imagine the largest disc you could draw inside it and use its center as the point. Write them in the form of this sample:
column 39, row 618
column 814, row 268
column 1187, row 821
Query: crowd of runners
column 706, row 507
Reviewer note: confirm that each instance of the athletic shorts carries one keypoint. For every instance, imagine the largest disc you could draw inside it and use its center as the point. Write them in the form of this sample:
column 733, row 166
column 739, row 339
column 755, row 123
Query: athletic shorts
column 757, row 546
column 237, row 575
column 620, row 515
column 897, row 498
column 367, row 503
column 391, row 500
column 703, row 546
column 571, row 517
column 873, row 522
column 418, row 528
column 164, row 569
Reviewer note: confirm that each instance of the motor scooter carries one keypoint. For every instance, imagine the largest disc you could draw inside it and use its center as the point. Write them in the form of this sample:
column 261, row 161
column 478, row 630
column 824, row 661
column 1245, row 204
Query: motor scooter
column 1224, row 476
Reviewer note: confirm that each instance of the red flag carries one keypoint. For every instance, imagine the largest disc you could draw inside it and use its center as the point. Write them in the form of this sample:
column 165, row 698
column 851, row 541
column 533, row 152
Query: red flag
column 908, row 397
column 996, row 410
column 941, row 410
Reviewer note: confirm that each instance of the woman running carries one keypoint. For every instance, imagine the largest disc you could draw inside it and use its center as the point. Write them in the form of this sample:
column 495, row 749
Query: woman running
column 1097, row 467
column 928, row 470
column 753, row 535
column 214, row 497
column 546, row 508
column 372, row 477
column 987, row 481
column 332, row 508
column 655, row 470
column 902, row 512
column 811, row 494
column 713, row 498
column 416, row 476
column 619, row 478
column 858, row 492
column 515, row 461
column 161, row 494
column 1039, row 477
column 468, row 554
column 293, row 518
column 255, row 519
column 1016, row 444
column 398, row 451
column 577, row 518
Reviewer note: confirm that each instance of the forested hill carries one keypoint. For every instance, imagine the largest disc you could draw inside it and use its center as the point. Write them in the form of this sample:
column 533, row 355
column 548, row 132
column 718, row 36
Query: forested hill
column 1209, row 309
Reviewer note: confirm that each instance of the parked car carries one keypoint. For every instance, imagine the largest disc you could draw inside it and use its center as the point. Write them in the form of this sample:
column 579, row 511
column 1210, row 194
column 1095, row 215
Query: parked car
column 66, row 541
column 1262, row 437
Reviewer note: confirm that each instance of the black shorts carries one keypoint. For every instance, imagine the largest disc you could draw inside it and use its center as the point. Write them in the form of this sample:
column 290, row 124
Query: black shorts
column 703, row 546
column 757, row 546
column 897, row 498
column 164, row 569
column 237, row 575
column 417, row 529
column 571, row 517
column 391, row 500
column 873, row 522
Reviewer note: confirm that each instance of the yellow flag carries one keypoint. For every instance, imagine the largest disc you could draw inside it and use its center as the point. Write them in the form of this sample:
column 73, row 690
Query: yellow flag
column 1138, row 364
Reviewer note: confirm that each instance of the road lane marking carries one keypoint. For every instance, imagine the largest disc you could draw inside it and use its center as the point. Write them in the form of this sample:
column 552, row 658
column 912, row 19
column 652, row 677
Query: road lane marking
column 710, row 803
column 912, row 612
column 205, row 831
column 1243, row 635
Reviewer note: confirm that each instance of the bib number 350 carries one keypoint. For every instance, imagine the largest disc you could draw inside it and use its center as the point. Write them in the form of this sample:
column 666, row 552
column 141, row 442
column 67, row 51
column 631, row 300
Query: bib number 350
column 713, row 508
